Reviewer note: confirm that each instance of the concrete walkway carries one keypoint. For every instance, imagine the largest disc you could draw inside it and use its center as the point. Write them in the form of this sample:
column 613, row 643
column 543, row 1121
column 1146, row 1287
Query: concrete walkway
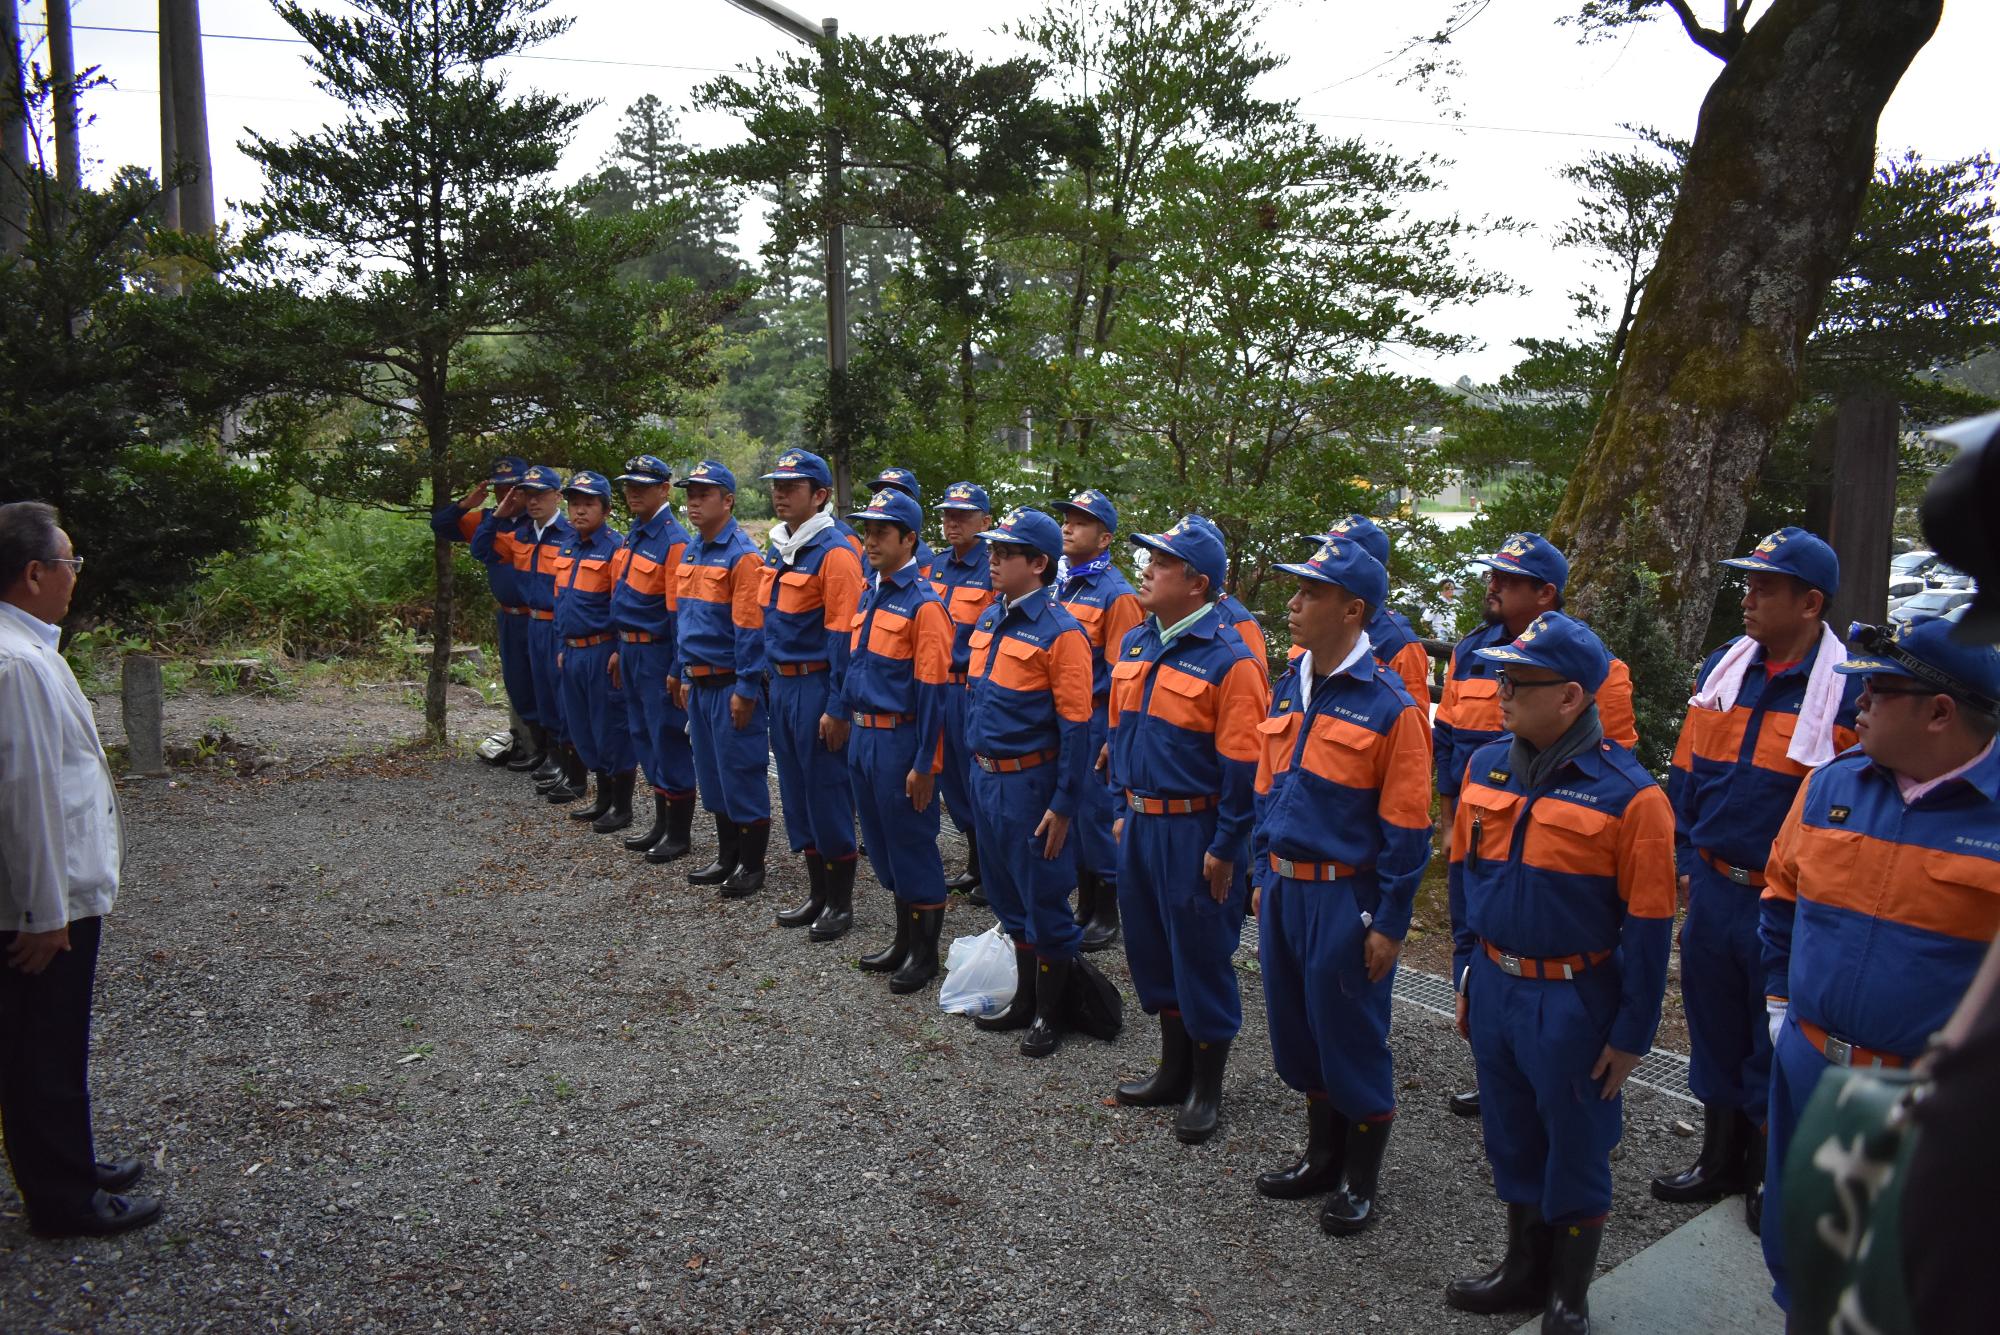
column 1706, row 1276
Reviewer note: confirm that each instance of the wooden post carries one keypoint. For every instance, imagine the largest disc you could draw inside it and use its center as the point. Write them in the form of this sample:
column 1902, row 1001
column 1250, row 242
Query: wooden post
column 145, row 710
column 1861, row 512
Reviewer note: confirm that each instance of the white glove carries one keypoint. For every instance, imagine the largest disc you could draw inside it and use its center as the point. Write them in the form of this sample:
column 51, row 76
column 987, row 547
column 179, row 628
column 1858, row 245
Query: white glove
column 1776, row 1010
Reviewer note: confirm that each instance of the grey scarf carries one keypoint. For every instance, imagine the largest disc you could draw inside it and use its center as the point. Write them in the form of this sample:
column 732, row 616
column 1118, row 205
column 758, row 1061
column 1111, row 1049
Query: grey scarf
column 1534, row 767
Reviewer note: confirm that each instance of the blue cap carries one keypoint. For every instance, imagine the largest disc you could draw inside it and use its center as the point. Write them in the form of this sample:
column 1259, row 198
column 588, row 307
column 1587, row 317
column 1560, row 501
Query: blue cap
column 801, row 466
column 508, row 470
column 1561, row 644
column 588, row 483
column 1028, row 528
column 1793, row 551
column 1344, row 561
column 1532, row 555
column 901, row 479
column 647, row 470
column 1194, row 541
column 541, row 478
column 709, row 473
column 1926, row 650
column 898, row 507
column 1094, row 503
column 965, row 496
column 1362, row 529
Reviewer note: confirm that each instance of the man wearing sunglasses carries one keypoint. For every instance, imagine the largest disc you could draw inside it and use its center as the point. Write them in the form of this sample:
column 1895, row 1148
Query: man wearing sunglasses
column 1884, row 882
column 1562, row 910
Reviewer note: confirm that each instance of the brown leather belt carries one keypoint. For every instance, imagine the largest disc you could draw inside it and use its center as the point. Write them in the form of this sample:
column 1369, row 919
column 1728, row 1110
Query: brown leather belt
column 586, row 641
column 883, row 720
column 799, row 669
column 1013, row 764
column 1562, row 966
column 1169, row 806
column 1313, row 871
column 1740, row 875
column 698, row 671
column 1840, row 1052
column 638, row 636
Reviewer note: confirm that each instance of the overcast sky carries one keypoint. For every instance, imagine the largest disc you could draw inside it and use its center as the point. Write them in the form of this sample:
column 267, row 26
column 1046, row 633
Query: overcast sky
column 1531, row 98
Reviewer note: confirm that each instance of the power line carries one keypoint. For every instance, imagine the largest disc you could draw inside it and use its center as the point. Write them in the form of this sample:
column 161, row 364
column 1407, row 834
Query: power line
column 1439, row 39
column 1471, row 125
column 300, row 41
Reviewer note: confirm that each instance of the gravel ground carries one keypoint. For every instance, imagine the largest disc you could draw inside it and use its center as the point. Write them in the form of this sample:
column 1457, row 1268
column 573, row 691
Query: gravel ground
column 407, row 1050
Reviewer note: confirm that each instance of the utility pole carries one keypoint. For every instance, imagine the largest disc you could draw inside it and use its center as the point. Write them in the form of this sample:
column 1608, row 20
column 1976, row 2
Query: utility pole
column 62, row 69
column 839, row 437
column 13, row 137
column 180, row 35
column 170, row 194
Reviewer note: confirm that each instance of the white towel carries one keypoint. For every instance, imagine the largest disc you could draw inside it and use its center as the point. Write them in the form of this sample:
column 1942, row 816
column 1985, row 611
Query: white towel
column 1812, row 741
column 788, row 543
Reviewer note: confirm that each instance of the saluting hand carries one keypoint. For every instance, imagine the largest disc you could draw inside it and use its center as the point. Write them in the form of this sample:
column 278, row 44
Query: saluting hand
column 515, row 504
column 32, row 951
column 1612, row 1067
column 617, row 682
column 471, row 499
column 1220, row 875
column 1054, row 830
column 920, row 785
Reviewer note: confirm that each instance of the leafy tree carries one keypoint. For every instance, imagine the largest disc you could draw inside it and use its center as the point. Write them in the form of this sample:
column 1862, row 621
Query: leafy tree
column 461, row 298
column 650, row 168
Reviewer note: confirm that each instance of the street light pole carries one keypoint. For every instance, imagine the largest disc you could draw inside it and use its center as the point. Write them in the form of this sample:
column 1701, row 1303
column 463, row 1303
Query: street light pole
column 826, row 36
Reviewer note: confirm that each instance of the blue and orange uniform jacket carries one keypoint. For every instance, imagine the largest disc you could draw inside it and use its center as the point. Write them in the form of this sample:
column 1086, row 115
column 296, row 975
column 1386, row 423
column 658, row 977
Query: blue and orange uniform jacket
column 1732, row 783
column 1105, row 606
column 1397, row 648
column 809, row 607
column 1581, row 866
column 645, row 579
column 1248, row 629
column 1029, row 690
column 899, row 658
column 1345, row 777
column 454, row 524
column 965, row 585
column 583, row 580
column 533, row 559
column 1877, row 912
column 1468, row 712
column 718, row 617
column 1183, row 722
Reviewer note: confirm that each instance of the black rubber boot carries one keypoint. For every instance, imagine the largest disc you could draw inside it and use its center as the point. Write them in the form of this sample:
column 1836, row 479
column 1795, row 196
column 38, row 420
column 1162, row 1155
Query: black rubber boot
column 1019, row 1012
column 1202, row 1112
column 607, row 795
column 678, row 841
column 752, row 842
column 1756, row 1144
column 1044, row 1036
column 838, row 915
column 535, row 754
column 1520, row 1283
column 1572, row 1265
column 1717, row 1171
column 891, row 956
column 969, row 878
column 1352, row 1208
column 646, row 838
column 1102, row 929
column 1319, row 1168
column 551, row 766
column 1168, row 1084
column 920, row 960
column 620, row 815
column 718, row 871
column 803, row 915
column 1086, row 898
column 572, row 783
column 1466, row 1104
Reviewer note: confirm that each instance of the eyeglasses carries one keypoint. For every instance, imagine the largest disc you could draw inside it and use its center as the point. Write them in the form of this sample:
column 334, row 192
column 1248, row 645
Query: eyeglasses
column 1868, row 687
column 1509, row 685
column 75, row 563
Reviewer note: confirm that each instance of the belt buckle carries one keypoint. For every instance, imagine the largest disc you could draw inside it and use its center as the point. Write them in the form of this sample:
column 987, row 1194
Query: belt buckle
column 1839, row 1051
column 1286, row 867
column 986, row 763
column 1511, row 964
column 1740, row 875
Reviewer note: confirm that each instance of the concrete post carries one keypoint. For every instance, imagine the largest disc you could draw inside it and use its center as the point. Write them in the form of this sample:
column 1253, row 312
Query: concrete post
column 145, row 715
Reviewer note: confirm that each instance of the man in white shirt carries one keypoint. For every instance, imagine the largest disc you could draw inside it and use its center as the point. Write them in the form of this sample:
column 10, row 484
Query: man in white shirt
column 60, row 849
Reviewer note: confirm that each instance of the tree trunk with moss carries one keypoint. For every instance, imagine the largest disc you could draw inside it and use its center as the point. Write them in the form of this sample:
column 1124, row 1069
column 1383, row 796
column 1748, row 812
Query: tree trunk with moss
column 1774, row 183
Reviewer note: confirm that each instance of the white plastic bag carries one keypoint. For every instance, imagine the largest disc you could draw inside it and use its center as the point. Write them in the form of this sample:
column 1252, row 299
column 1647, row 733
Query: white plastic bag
column 979, row 977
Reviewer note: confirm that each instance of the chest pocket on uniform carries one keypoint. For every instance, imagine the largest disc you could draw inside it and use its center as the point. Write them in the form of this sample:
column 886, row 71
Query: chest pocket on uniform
column 1341, row 752
column 1569, row 837
column 892, row 635
column 1277, row 738
column 1184, row 700
column 1775, row 734
column 1128, row 684
column 1020, row 666
column 965, row 604
column 798, row 591
column 1490, row 820
column 1091, row 619
column 1478, row 708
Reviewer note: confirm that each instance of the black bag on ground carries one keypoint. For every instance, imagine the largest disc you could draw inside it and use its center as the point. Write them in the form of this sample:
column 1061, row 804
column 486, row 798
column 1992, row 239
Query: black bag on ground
column 1091, row 1004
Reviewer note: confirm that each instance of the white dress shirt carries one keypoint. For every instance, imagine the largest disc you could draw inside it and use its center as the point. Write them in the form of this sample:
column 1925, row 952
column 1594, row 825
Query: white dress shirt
column 60, row 839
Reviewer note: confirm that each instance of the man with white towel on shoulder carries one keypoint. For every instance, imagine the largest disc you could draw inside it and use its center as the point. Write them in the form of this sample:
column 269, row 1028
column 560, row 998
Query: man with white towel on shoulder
column 1768, row 708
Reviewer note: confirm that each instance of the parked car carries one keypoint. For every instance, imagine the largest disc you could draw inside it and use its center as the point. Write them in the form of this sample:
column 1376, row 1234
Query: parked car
column 1912, row 563
column 1932, row 602
column 1942, row 576
column 1902, row 590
